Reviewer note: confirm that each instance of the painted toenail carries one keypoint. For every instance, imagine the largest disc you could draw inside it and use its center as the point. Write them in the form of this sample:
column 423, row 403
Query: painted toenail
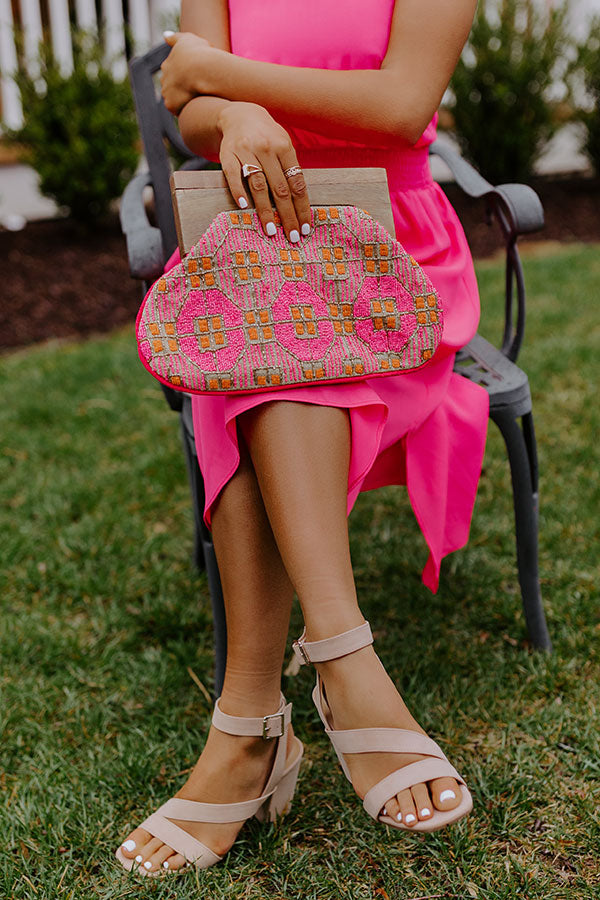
column 166, row 864
column 139, row 858
column 128, row 845
column 147, row 864
column 410, row 818
column 399, row 817
column 447, row 795
column 425, row 811
column 384, row 811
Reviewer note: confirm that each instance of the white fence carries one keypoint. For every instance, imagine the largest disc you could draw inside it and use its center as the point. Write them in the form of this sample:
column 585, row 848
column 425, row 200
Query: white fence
column 143, row 20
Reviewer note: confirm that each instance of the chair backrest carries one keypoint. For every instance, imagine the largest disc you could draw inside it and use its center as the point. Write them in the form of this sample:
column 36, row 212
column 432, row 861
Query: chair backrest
column 157, row 129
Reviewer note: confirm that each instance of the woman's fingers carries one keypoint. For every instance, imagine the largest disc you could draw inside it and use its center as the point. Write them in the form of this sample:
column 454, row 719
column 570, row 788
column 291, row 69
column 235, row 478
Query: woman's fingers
column 260, row 189
column 232, row 171
column 298, row 191
column 282, row 195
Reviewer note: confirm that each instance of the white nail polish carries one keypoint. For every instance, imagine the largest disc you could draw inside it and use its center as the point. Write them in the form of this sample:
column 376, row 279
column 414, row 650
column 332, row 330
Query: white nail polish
column 128, row 845
column 410, row 818
column 271, row 228
column 139, row 858
column 294, row 236
column 425, row 812
column 166, row 864
column 305, row 229
column 147, row 864
column 242, row 203
column 447, row 795
column 384, row 811
column 399, row 816
column 168, row 33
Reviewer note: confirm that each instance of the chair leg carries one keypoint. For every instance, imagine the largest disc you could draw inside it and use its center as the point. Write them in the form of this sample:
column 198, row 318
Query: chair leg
column 522, row 455
column 204, row 554
column 197, row 491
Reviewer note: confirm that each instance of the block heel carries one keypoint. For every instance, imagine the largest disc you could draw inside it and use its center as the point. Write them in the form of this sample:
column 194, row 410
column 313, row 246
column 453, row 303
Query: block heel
column 280, row 802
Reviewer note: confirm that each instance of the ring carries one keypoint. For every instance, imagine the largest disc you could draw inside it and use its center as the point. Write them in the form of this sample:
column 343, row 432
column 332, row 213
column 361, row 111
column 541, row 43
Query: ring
column 250, row 169
column 293, row 170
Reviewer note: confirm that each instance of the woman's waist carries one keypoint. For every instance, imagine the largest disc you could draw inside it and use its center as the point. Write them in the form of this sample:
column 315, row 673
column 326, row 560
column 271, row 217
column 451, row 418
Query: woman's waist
column 406, row 167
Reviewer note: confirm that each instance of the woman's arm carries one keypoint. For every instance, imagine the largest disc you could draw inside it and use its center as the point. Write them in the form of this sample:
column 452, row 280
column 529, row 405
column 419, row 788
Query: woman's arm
column 237, row 132
column 199, row 127
column 399, row 99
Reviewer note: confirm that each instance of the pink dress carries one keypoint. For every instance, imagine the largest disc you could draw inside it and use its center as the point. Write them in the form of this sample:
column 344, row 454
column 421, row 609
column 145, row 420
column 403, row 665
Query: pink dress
column 425, row 429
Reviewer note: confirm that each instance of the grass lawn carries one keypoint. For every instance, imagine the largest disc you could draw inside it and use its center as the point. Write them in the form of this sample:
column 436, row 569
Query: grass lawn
column 106, row 630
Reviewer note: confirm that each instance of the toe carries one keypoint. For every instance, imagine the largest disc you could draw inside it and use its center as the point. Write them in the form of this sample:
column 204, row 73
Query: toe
column 445, row 793
column 160, row 856
column 135, row 842
column 147, row 852
column 422, row 801
column 408, row 812
column 177, row 861
column 391, row 808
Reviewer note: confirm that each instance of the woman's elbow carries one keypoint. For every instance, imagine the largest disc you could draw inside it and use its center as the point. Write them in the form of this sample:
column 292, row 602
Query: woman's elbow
column 408, row 123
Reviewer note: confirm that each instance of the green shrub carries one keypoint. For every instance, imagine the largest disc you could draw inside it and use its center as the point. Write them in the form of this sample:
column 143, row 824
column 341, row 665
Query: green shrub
column 502, row 108
column 588, row 67
column 79, row 132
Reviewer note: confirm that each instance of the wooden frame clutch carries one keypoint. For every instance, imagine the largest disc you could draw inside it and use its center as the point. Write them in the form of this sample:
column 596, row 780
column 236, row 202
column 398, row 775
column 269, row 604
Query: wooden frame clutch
column 244, row 312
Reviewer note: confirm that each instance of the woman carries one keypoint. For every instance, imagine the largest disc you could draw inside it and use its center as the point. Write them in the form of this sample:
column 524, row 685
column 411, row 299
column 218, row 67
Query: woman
column 272, row 87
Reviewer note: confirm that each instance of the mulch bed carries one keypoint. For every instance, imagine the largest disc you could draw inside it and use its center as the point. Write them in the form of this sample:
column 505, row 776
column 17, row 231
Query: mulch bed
column 58, row 282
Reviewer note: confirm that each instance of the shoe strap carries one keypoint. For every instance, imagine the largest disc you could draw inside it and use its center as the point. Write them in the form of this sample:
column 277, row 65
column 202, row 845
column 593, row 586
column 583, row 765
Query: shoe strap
column 274, row 725
column 333, row 647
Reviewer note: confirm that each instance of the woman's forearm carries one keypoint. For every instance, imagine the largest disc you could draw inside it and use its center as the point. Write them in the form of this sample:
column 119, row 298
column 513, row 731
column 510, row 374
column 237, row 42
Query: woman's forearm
column 199, row 125
column 361, row 104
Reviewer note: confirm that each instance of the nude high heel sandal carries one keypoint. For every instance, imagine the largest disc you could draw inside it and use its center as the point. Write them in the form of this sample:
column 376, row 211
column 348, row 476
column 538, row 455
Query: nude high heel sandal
column 387, row 740
column 274, row 801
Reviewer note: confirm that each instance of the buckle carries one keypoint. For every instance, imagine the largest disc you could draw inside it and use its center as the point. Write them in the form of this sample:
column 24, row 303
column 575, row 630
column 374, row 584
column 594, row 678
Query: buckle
column 265, row 732
column 298, row 646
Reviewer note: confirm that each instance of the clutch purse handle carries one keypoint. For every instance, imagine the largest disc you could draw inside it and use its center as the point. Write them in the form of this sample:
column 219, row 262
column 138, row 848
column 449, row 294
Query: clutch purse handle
column 200, row 196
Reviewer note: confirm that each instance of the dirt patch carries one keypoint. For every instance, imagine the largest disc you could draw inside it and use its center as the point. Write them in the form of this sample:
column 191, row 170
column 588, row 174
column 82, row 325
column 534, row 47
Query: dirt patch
column 58, row 282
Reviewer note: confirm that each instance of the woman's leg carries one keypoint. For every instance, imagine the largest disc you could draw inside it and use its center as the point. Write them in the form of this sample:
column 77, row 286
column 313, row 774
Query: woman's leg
column 258, row 597
column 301, row 455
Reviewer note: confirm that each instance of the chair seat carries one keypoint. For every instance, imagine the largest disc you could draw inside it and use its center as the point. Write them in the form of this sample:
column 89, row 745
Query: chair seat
column 505, row 382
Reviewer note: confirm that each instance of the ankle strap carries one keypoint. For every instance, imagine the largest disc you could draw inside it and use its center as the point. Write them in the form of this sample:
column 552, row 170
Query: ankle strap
column 333, row 647
column 272, row 726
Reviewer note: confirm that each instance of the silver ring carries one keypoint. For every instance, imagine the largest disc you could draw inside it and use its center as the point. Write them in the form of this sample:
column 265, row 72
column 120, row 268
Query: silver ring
column 293, row 170
column 250, row 169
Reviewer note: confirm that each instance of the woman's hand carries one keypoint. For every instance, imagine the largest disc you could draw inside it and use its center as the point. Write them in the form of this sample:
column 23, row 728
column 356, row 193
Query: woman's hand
column 251, row 136
column 185, row 72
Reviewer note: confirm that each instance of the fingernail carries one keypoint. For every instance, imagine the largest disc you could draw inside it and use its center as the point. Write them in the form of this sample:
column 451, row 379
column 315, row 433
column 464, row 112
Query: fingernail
column 147, row 864
column 271, row 228
column 139, row 858
column 384, row 811
column 242, row 202
column 168, row 33
column 425, row 811
column 128, row 845
column 166, row 864
column 305, row 229
column 399, row 816
column 410, row 818
column 447, row 795
column 294, row 236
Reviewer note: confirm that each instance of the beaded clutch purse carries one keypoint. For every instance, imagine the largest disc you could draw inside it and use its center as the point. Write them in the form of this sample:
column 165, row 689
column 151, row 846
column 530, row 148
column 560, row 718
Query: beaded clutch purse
column 246, row 312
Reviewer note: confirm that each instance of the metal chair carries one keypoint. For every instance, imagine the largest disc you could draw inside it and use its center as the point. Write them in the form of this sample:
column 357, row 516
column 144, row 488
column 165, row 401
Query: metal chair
column 517, row 210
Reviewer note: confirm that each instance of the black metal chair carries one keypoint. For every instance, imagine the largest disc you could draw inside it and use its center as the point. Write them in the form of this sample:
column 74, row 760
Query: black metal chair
column 517, row 210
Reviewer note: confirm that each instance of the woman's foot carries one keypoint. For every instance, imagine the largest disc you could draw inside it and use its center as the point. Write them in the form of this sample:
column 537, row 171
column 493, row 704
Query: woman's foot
column 230, row 769
column 360, row 694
